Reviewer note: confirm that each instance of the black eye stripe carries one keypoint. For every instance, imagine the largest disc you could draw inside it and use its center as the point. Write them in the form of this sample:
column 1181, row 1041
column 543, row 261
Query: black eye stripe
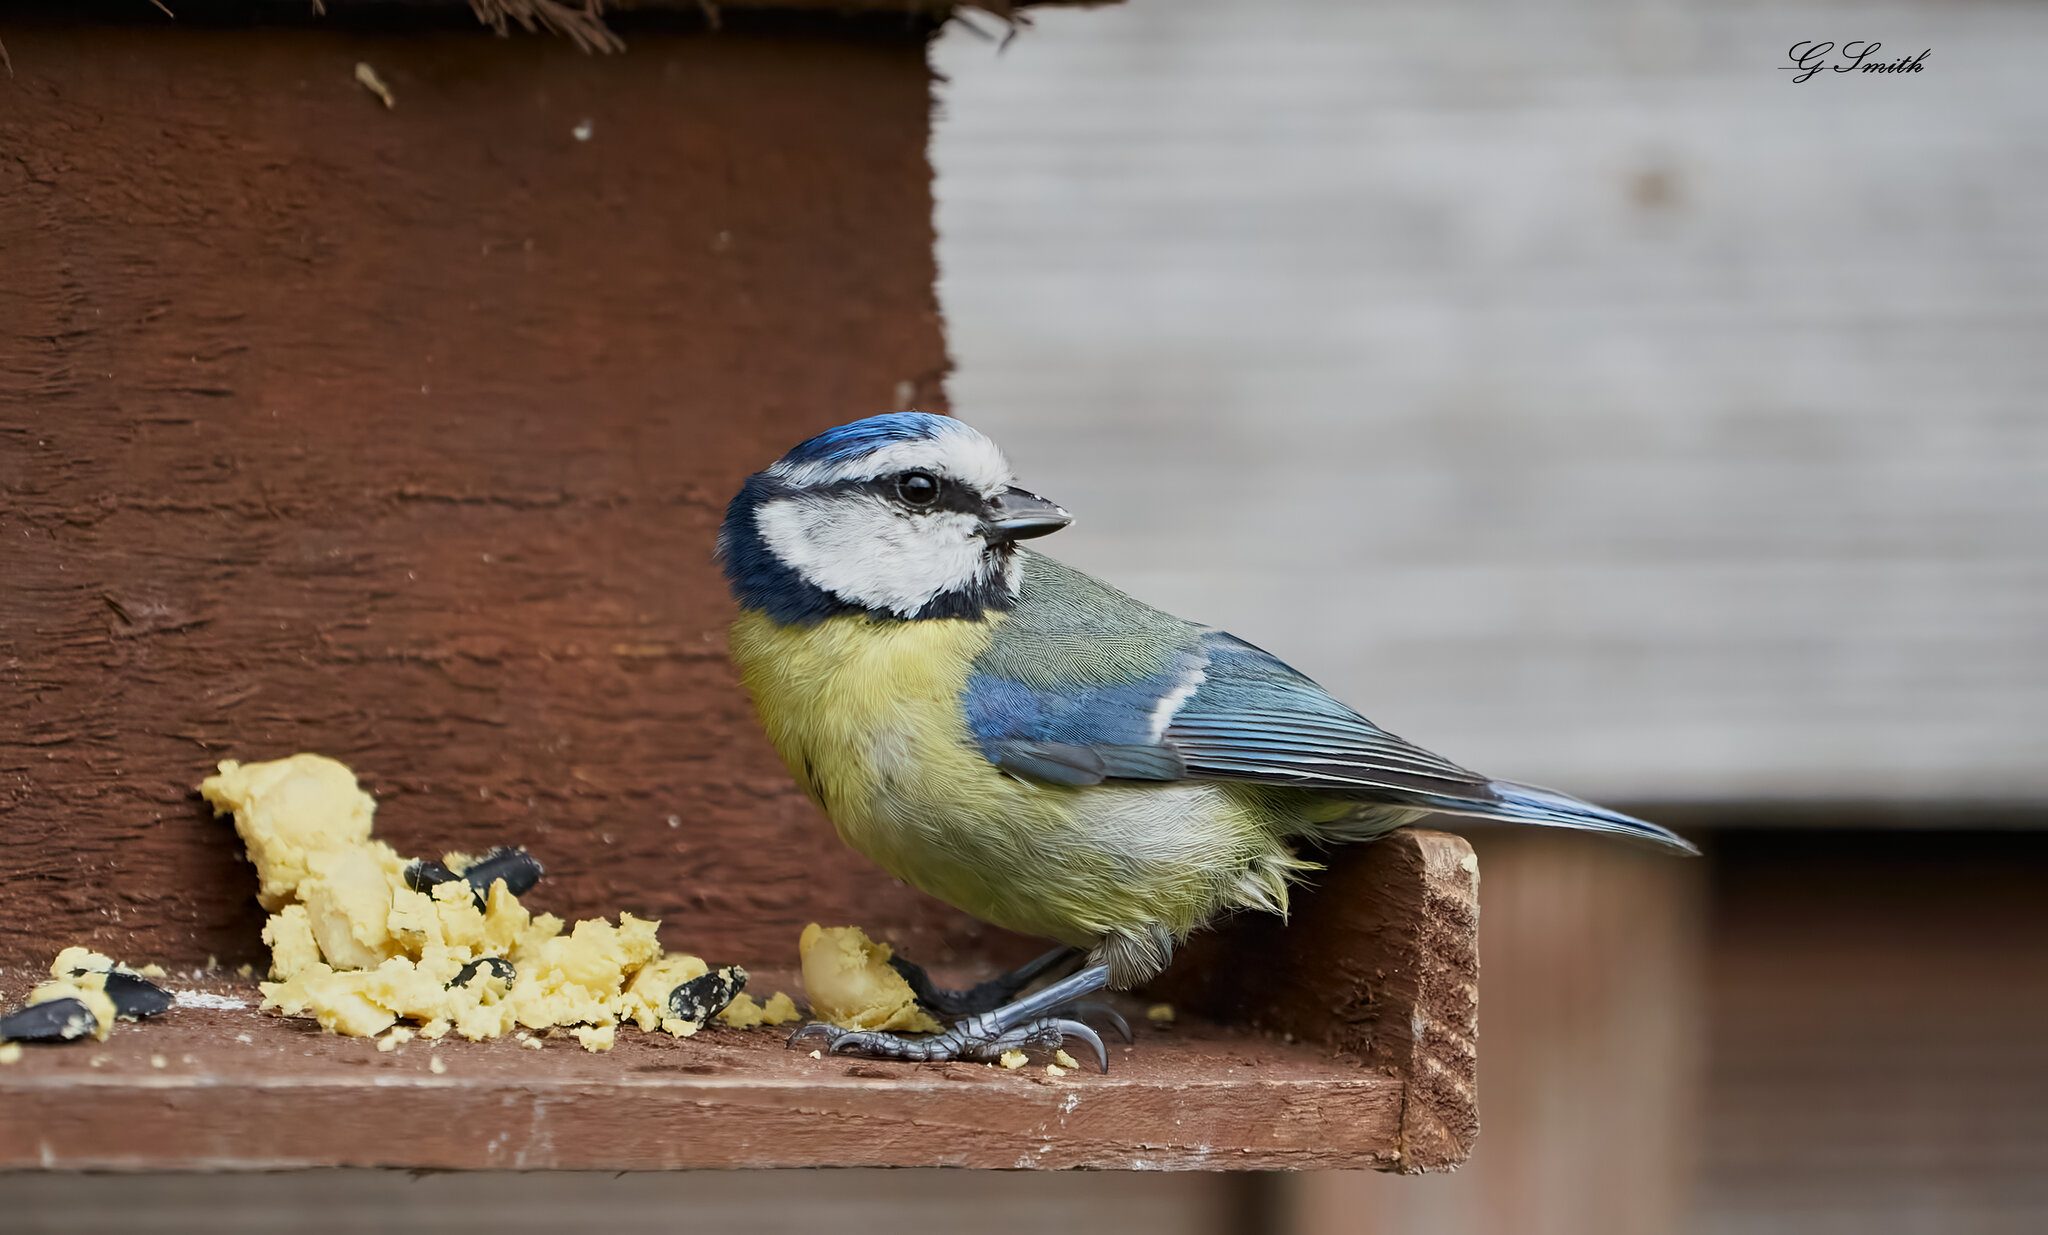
column 952, row 496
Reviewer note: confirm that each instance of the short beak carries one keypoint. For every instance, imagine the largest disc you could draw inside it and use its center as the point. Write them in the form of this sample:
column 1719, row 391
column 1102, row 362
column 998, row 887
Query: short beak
column 1017, row 514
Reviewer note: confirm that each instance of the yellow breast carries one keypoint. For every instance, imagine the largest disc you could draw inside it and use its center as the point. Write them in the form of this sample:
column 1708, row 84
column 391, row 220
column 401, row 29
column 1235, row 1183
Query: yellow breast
column 867, row 716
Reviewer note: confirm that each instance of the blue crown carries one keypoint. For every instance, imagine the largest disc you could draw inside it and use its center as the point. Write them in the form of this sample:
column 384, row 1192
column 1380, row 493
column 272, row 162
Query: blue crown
column 862, row 437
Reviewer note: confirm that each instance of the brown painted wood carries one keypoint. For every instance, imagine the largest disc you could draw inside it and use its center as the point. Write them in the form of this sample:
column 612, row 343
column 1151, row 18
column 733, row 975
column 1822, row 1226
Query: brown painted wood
column 1368, row 1075
column 402, row 436
column 295, row 1097
column 1379, row 963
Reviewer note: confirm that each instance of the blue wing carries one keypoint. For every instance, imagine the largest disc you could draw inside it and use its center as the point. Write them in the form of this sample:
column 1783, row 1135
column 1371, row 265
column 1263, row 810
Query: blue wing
column 1084, row 685
column 1254, row 717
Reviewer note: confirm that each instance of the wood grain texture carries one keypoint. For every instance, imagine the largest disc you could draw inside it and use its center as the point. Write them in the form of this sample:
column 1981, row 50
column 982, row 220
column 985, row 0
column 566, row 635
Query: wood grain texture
column 1596, row 1028
column 402, row 436
column 1380, row 962
column 1193, row 1098
column 1562, row 386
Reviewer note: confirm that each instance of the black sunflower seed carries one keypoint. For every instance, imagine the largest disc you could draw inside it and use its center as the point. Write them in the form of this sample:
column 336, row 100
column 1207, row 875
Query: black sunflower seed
column 515, row 866
column 702, row 998
column 53, row 1020
column 497, row 966
column 134, row 996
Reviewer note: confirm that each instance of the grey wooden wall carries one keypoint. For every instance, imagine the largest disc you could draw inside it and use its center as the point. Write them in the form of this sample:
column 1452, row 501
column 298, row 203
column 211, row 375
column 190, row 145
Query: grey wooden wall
column 1555, row 380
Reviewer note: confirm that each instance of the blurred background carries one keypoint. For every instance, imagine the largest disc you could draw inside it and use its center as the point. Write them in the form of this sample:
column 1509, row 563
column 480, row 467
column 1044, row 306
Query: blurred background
column 1582, row 398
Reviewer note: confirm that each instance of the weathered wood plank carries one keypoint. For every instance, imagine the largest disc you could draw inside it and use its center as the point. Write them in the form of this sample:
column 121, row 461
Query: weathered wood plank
column 1378, row 962
column 1374, row 990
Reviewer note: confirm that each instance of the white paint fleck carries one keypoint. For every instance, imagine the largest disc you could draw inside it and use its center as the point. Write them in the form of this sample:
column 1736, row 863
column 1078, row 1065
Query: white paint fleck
column 207, row 999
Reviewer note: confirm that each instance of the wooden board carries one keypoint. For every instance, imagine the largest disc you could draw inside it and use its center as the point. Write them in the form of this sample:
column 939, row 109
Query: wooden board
column 402, row 435
column 1320, row 1071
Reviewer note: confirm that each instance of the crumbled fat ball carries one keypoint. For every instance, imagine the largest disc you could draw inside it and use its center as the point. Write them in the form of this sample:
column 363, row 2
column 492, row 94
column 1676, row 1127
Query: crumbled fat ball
column 850, row 983
column 359, row 948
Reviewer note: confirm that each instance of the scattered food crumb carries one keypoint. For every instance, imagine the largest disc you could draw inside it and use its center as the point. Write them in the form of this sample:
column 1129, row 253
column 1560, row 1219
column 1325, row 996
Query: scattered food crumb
column 582, row 130
column 362, row 939
column 158, row 1061
column 207, row 999
column 98, row 1061
column 817, row 1054
column 436, row 1065
column 369, row 80
column 1160, row 1014
column 152, row 971
column 1064, row 1060
column 245, row 1039
column 398, row 1037
column 10, row 1052
column 1014, row 1060
column 1055, row 1071
column 851, row 984
column 212, row 964
column 245, row 971
column 532, row 1044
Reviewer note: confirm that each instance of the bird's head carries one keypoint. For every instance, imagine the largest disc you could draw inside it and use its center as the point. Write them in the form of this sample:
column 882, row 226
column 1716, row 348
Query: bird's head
column 907, row 515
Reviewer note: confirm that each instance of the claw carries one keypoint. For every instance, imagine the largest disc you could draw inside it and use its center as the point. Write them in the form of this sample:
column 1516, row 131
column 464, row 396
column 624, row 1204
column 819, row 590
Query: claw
column 1075, row 1029
column 1116, row 1020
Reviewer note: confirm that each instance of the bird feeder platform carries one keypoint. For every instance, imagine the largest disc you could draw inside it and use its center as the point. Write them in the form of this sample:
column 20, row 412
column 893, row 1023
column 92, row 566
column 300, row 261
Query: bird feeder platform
column 1349, row 1046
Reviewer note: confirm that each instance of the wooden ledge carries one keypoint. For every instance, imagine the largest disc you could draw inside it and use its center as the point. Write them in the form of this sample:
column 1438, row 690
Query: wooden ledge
column 1347, row 1044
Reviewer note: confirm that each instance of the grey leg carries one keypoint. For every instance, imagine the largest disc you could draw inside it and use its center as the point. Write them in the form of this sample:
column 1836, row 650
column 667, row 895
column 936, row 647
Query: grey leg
column 1027, row 1023
column 987, row 996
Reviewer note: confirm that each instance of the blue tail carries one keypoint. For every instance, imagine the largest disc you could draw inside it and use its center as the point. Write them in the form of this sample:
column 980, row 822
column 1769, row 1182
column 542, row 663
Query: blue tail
column 1547, row 808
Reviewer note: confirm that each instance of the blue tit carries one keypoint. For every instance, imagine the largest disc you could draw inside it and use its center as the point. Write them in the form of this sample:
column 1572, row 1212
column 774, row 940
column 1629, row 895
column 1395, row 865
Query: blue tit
column 1034, row 747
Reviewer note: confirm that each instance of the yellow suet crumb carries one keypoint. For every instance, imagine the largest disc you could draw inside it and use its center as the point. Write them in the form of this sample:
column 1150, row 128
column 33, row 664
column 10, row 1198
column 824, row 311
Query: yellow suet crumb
column 10, row 1052
column 1160, row 1014
column 436, row 1065
column 1014, row 1060
column 355, row 948
column 850, row 984
column 744, row 1013
column 158, row 1061
column 1064, row 1060
column 1055, row 1071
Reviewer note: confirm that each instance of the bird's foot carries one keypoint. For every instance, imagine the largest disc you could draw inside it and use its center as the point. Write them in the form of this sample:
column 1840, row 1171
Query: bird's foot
column 974, row 1039
column 983, row 997
column 1029, row 1024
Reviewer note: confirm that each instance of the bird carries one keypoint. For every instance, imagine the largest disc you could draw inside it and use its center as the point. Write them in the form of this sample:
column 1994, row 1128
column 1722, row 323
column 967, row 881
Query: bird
column 1036, row 748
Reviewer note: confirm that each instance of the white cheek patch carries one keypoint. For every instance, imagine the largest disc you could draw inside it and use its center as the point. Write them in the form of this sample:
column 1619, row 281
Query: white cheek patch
column 863, row 550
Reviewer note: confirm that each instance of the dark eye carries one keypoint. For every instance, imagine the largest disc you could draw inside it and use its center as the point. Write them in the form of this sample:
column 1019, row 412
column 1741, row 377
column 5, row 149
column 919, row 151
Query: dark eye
column 917, row 488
